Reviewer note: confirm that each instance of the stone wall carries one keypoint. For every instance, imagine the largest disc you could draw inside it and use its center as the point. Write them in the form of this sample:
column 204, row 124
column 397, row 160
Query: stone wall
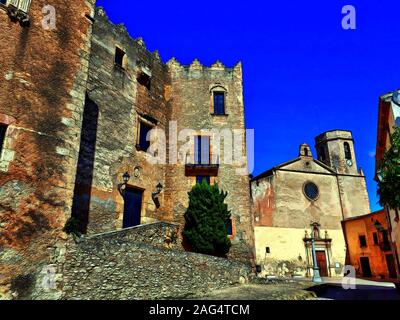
column 119, row 265
column 43, row 77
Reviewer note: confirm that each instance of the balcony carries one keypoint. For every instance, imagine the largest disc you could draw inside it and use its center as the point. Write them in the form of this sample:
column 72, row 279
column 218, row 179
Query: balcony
column 385, row 246
column 200, row 169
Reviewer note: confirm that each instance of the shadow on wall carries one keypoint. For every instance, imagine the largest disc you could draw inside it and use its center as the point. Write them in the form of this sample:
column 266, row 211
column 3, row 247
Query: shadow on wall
column 84, row 173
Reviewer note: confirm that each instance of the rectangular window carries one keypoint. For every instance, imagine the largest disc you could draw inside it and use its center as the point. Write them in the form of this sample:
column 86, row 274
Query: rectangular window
column 144, row 144
column 202, row 150
column 120, row 57
column 229, row 227
column 144, row 80
column 363, row 242
column 22, row 5
column 3, row 129
column 385, row 237
column 219, row 103
column 199, row 179
column 376, row 239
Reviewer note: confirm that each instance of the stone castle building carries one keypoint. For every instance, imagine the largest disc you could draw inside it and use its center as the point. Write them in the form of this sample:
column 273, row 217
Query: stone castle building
column 306, row 198
column 76, row 106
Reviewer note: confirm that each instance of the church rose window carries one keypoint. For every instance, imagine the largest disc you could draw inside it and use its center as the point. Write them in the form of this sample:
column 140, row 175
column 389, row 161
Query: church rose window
column 311, row 191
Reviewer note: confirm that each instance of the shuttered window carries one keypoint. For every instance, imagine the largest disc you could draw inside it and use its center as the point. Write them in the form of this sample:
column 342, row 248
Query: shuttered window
column 22, row 5
column 219, row 103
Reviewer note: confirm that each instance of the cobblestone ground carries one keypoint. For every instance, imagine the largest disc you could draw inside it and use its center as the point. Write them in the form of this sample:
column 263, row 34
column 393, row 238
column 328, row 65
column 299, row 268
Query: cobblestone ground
column 289, row 291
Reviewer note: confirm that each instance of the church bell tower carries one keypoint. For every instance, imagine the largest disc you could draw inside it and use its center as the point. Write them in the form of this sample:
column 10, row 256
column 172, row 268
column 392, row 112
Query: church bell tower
column 336, row 149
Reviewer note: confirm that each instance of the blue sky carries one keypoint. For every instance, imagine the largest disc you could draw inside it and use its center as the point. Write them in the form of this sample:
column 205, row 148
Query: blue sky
column 303, row 74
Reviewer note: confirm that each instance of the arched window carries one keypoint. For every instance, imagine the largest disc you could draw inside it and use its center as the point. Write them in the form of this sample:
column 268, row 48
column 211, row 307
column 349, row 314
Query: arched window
column 347, row 151
column 219, row 100
column 306, row 152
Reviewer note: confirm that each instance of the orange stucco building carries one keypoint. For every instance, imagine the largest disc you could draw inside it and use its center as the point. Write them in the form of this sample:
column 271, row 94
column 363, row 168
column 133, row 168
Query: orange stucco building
column 369, row 247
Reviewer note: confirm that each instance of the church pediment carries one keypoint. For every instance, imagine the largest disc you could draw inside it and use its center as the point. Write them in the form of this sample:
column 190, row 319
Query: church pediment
column 303, row 164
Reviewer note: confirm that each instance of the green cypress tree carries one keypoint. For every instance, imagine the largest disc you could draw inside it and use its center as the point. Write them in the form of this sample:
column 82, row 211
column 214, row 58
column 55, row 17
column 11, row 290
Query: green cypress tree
column 206, row 220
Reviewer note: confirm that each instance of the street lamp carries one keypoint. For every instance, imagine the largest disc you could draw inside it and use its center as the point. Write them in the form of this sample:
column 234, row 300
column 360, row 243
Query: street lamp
column 159, row 188
column 154, row 195
column 316, row 275
column 126, row 176
column 122, row 186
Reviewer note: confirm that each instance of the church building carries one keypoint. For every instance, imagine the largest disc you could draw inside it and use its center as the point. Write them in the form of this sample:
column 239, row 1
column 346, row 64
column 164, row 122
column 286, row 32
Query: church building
column 305, row 199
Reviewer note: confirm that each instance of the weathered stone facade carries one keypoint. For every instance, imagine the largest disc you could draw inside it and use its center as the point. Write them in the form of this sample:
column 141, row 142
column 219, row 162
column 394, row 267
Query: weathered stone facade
column 179, row 97
column 43, row 77
column 285, row 215
column 73, row 100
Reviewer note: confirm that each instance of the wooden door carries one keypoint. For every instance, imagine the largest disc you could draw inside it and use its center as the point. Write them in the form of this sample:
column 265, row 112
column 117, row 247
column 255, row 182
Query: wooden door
column 132, row 207
column 322, row 264
column 365, row 267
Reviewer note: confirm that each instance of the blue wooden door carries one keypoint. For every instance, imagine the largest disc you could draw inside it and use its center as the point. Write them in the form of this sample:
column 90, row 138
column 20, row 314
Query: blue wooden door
column 132, row 207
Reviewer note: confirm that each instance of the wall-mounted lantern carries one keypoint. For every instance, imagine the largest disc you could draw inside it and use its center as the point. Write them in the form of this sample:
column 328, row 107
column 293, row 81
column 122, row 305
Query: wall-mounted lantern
column 126, row 176
column 122, row 186
column 154, row 195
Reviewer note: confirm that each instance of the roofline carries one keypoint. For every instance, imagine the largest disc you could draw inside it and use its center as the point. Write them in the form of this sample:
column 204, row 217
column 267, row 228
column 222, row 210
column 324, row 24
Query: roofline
column 270, row 172
column 335, row 130
column 365, row 215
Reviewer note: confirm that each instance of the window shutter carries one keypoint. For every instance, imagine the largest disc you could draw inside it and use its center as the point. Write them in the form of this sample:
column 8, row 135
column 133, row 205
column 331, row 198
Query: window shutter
column 13, row 3
column 24, row 5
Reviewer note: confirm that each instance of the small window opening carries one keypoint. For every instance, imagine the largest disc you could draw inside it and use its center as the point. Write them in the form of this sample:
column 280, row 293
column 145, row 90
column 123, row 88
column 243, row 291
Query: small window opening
column 376, row 239
column 144, row 144
column 229, row 227
column 347, row 151
column 120, row 57
column 145, row 80
column 322, row 154
column 363, row 241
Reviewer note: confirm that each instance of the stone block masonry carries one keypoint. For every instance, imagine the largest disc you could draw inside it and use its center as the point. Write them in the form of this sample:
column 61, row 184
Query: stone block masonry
column 118, row 266
column 76, row 101
column 43, row 77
